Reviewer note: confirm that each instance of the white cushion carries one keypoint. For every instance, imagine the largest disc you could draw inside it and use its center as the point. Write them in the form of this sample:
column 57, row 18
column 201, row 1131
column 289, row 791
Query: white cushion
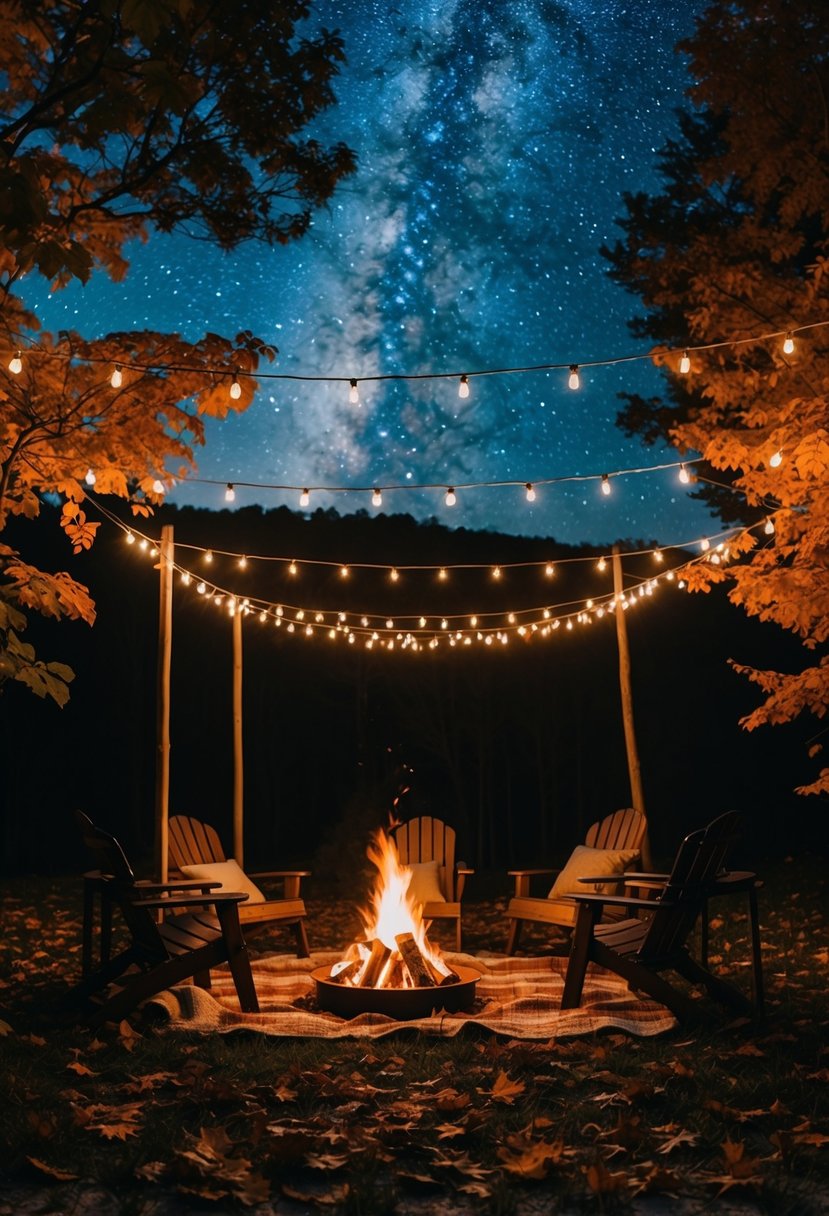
column 585, row 862
column 424, row 887
column 230, row 874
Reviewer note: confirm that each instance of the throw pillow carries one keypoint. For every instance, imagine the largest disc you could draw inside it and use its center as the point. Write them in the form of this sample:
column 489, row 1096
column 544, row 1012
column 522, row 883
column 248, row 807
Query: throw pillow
column 424, row 887
column 230, row 874
column 584, row 862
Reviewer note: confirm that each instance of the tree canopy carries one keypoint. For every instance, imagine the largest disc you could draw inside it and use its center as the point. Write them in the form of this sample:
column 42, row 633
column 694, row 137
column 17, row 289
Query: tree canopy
column 734, row 246
column 120, row 118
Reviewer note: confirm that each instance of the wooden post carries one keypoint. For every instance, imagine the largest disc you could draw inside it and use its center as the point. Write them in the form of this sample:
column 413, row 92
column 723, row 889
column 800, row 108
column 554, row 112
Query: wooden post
column 238, row 761
column 165, row 650
column 636, row 794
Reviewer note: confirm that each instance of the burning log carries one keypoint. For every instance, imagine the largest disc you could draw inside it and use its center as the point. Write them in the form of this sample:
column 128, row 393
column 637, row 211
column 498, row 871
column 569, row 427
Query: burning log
column 375, row 963
column 340, row 972
column 418, row 966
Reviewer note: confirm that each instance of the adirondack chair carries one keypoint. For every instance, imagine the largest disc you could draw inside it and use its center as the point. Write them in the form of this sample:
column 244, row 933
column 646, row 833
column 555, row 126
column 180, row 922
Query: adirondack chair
column 640, row 949
column 185, row 944
column 196, row 844
column 423, row 840
column 623, row 830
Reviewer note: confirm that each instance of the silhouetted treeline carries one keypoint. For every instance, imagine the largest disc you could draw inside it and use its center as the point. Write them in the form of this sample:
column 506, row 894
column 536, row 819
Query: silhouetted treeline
column 520, row 746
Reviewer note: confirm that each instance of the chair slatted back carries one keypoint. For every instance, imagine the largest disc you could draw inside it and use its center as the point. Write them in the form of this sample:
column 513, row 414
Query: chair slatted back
column 428, row 839
column 112, row 864
column 193, row 843
column 623, row 829
column 700, row 857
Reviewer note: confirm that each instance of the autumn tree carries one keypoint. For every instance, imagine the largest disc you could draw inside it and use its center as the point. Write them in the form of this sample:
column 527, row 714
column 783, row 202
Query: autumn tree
column 734, row 247
column 120, row 118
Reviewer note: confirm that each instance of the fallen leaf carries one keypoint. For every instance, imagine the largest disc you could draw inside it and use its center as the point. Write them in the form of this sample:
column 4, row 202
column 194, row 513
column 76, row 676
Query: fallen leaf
column 52, row 1171
column 529, row 1158
column 505, row 1090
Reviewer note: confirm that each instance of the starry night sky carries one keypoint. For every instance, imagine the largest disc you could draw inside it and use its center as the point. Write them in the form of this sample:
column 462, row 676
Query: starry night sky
column 495, row 141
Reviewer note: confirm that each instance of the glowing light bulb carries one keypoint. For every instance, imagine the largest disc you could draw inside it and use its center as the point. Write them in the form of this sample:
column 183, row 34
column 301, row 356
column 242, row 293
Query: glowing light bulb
column 376, row 498
column 90, row 477
column 658, row 555
column 394, row 575
column 442, row 574
column 305, row 498
column 496, row 572
column 605, row 484
column 530, row 492
column 116, row 379
column 776, row 460
column 684, row 475
column 230, row 493
column 463, row 387
column 788, row 344
column 201, row 588
column 344, row 572
column 185, row 578
column 473, row 621
column 144, row 543
column 292, row 568
column 243, row 562
column 235, row 387
column 130, row 538
column 444, row 624
column 390, row 623
column 354, row 393
column 574, row 381
column 158, row 486
column 208, row 557
column 769, row 527
column 685, row 363
column 16, row 364
column 549, row 570
column 601, row 565
column 705, row 544
column 451, row 497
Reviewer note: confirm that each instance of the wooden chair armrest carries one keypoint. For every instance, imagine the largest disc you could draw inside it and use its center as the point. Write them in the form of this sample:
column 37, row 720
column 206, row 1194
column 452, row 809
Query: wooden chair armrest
column 523, row 880
column 192, row 901
column 185, row 884
column 646, row 874
column 280, row 874
column 529, row 873
column 620, row 901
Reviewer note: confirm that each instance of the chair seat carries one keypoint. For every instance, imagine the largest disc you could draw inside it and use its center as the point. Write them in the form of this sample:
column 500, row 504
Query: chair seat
column 545, row 910
column 272, row 911
column 441, row 911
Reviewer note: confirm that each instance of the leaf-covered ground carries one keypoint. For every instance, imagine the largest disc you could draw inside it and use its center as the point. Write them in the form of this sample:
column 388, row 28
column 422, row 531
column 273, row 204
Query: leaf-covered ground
column 729, row 1116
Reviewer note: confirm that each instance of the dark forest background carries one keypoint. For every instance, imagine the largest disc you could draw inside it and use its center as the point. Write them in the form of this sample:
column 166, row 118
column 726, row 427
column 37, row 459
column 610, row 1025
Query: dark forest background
column 520, row 747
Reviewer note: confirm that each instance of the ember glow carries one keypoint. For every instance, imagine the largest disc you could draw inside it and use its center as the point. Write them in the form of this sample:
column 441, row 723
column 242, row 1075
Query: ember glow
column 395, row 951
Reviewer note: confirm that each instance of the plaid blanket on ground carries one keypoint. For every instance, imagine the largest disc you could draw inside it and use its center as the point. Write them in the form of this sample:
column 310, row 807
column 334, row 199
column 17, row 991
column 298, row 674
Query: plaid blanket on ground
column 517, row 997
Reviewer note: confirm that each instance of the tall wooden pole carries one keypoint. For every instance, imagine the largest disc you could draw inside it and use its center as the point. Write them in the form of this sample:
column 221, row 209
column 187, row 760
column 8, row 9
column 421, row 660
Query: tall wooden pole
column 238, row 760
column 165, row 650
column 636, row 794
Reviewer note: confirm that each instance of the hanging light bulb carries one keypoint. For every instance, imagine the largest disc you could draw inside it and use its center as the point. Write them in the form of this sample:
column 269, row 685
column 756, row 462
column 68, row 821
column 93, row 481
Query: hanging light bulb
column 235, row 387
column 376, row 498
column 496, row 572
column 574, row 380
column 605, row 484
column 530, row 492
column 344, row 572
column 16, row 364
column 442, row 574
column 230, row 493
column 705, row 544
column 451, row 498
column 305, row 498
column 788, row 344
column 685, row 363
column 684, row 475
column 463, row 387
column 549, row 569
column 201, row 588
column 354, row 393
column 394, row 575
column 243, row 562
column 769, row 527
column 657, row 555
column 601, row 564
column 292, row 568
column 776, row 460
column 130, row 538
column 90, row 477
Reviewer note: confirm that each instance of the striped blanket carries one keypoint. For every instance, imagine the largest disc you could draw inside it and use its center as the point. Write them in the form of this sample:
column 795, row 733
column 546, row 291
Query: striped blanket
column 517, row 997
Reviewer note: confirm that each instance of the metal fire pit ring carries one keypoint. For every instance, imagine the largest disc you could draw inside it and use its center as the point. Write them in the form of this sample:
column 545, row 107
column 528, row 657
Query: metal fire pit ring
column 402, row 1004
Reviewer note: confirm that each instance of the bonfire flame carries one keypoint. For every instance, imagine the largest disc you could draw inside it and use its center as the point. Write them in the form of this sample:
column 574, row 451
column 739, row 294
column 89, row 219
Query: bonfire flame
column 392, row 914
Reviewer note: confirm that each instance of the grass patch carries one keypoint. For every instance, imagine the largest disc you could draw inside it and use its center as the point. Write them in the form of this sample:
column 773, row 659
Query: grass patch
column 729, row 1115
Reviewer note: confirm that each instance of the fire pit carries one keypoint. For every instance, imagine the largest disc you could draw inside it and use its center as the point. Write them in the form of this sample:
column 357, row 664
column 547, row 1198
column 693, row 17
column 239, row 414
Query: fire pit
column 402, row 1004
column 394, row 969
